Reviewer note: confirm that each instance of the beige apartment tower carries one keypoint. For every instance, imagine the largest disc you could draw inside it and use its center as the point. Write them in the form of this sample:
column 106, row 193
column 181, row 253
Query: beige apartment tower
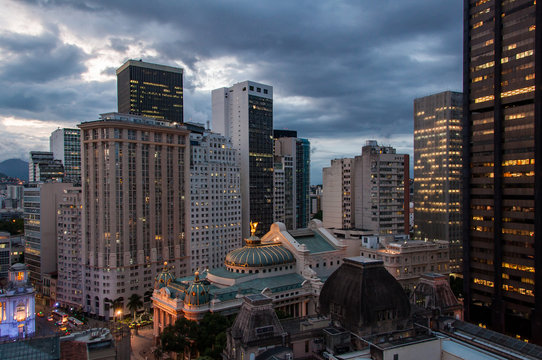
column 135, row 172
column 369, row 192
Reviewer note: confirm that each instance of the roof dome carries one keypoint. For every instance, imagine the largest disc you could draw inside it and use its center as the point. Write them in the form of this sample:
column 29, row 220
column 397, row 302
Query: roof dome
column 197, row 293
column 164, row 278
column 365, row 298
column 256, row 254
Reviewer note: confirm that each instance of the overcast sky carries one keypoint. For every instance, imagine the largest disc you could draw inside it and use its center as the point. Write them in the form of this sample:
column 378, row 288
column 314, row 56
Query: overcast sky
column 342, row 71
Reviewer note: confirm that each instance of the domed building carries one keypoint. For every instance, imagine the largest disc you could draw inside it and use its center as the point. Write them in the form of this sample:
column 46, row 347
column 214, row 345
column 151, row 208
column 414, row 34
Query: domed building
column 17, row 305
column 288, row 266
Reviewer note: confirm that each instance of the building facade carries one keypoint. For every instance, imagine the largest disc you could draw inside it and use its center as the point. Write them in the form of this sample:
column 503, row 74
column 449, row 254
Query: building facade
column 150, row 90
column 5, row 253
column 215, row 200
column 370, row 191
column 286, row 265
column 65, row 144
column 292, row 155
column 69, row 286
column 17, row 305
column 135, row 205
column 40, row 224
column 438, row 141
column 244, row 113
column 502, row 171
column 42, row 167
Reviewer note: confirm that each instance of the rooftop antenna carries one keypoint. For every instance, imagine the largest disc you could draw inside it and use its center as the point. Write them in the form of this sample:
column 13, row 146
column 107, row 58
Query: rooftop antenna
column 208, row 125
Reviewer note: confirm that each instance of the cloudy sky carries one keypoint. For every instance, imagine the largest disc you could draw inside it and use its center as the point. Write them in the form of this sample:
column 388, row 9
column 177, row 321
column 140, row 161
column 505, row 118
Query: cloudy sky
column 342, row 71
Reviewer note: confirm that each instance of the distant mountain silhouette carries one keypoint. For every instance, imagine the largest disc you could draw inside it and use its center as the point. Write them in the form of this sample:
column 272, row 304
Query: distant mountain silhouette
column 16, row 168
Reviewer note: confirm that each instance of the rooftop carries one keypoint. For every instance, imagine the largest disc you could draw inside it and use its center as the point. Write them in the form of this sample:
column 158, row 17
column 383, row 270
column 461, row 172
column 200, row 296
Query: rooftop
column 314, row 242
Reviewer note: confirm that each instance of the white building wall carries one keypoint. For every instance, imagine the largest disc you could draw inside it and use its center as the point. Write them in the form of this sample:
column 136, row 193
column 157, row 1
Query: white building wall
column 215, row 200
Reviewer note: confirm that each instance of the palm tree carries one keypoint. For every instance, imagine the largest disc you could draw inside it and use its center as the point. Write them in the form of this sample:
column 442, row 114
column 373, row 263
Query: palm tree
column 134, row 303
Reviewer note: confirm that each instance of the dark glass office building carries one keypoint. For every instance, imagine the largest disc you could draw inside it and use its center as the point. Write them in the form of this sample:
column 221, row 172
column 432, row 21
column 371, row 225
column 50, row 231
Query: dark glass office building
column 502, row 172
column 150, row 90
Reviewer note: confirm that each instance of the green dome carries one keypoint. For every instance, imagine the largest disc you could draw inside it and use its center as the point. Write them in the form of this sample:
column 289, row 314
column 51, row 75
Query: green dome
column 197, row 293
column 256, row 254
column 164, row 278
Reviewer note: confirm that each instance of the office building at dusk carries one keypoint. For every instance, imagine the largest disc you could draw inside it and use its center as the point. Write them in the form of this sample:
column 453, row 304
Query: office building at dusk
column 244, row 113
column 43, row 167
column 65, row 144
column 150, row 90
column 292, row 159
column 135, row 205
column 502, row 200
column 437, row 171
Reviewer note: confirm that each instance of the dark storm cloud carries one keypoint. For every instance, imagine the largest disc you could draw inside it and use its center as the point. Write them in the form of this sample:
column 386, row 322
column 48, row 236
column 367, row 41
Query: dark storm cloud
column 39, row 58
column 339, row 68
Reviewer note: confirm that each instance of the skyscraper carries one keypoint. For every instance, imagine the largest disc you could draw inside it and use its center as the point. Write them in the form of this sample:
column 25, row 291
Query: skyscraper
column 370, row 191
column 292, row 157
column 215, row 199
column 150, row 90
column 135, row 176
column 437, row 171
column 42, row 167
column 502, row 200
column 244, row 112
column 65, row 144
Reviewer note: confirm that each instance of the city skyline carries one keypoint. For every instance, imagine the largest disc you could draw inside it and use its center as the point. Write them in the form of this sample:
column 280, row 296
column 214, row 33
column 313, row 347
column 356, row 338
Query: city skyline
column 351, row 79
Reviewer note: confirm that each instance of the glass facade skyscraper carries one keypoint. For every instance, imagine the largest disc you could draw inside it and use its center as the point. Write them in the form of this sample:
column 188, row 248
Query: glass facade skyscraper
column 65, row 144
column 502, row 200
column 244, row 112
column 150, row 90
column 437, row 171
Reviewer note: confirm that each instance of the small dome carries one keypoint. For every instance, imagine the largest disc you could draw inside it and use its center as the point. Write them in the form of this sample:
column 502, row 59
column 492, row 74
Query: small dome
column 164, row 278
column 197, row 293
column 256, row 254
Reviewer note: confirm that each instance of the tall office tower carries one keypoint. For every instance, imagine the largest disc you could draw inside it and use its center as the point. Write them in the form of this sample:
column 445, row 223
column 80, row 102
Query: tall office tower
column 215, row 199
column 502, row 200
column 295, row 154
column 42, row 167
column 69, row 288
column 437, row 171
column 369, row 192
column 279, row 190
column 150, row 90
column 244, row 113
column 40, row 220
column 135, row 173
column 65, row 144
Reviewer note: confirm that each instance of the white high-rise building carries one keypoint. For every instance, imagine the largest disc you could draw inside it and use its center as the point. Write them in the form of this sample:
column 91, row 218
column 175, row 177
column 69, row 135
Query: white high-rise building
column 65, row 144
column 244, row 113
column 135, row 175
column 215, row 200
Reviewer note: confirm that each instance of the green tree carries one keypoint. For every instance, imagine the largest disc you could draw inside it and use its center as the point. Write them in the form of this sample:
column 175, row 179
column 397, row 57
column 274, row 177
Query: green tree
column 179, row 337
column 134, row 303
column 211, row 338
column 318, row 215
column 13, row 226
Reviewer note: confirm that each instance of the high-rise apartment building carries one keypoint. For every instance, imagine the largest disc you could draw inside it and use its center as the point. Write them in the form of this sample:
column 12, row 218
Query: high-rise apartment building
column 244, row 113
column 69, row 288
column 215, row 199
column 437, row 171
column 370, row 191
column 502, row 199
column 65, row 144
column 42, row 167
column 150, row 90
column 40, row 221
column 135, row 175
column 292, row 156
